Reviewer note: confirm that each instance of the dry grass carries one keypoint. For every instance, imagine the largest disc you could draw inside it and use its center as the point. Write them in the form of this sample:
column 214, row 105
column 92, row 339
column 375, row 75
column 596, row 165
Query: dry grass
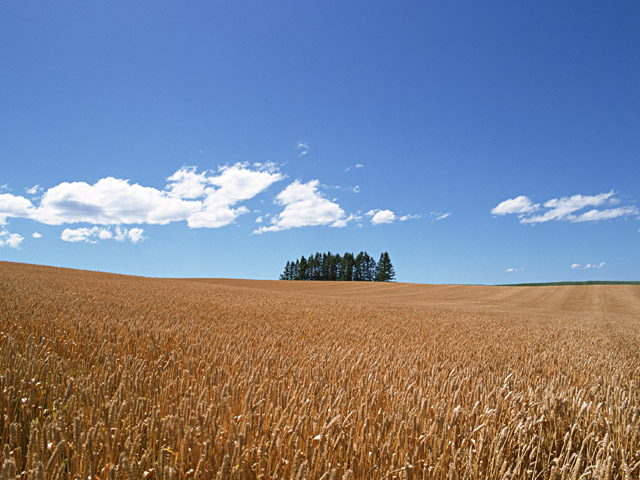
column 107, row 376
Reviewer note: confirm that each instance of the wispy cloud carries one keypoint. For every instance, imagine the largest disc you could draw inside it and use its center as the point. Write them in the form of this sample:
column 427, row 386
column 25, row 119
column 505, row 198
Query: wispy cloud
column 570, row 209
column 518, row 205
column 512, row 270
column 305, row 206
column 382, row 216
column 577, row 266
column 303, row 148
column 440, row 216
column 33, row 190
column 95, row 234
column 11, row 240
column 357, row 165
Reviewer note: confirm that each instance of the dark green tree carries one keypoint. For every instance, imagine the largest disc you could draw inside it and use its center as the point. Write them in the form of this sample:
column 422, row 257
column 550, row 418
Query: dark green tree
column 286, row 274
column 368, row 268
column 385, row 271
column 347, row 267
column 302, row 269
column 358, row 271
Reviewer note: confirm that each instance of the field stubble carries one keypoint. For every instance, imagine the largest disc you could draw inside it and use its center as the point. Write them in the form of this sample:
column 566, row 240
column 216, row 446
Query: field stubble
column 107, row 376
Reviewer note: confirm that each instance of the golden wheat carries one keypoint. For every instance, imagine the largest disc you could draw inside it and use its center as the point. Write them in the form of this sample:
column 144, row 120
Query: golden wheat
column 107, row 376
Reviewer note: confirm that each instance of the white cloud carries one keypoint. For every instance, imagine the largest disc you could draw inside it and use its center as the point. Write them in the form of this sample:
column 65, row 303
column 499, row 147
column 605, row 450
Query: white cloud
column 234, row 184
column 511, row 270
column 356, row 189
column 588, row 266
column 305, row 206
column 303, row 148
column 134, row 235
column 79, row 234
column 595, row 215
column 381, row 216
column 14, row 206
column 566, row 209
column 599, row 265
column 110, row 201
column 357, row 165
column 36, row 235
column 404, row 218
column 204, row 200
column 259, row 219
column 33, row 190
column 11, row 240
column 95, row 234
column 519, row 204
column 443, row 216
column 187, row 183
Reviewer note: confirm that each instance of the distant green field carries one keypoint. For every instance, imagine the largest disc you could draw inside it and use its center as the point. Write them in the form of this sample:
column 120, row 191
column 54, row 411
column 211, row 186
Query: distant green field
column 550, row 284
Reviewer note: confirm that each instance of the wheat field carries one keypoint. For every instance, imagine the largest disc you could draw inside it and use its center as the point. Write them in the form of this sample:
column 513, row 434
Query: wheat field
column 115, row 377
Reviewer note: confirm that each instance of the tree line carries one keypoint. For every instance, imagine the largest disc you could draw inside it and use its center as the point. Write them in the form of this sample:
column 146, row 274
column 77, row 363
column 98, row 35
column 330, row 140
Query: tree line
column 347, row 267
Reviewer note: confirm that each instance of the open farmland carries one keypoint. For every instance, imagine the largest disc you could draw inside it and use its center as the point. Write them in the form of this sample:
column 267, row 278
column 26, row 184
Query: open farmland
column 109, row 376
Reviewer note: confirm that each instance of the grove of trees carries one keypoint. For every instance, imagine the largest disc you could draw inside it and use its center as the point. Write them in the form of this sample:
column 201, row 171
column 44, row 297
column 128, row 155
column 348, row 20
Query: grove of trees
column 347, row 267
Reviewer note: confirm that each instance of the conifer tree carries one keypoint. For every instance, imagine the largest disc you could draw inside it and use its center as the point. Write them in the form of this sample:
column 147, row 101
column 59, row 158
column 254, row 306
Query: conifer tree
column 358, row 268
column 347, row 267
column 286, row 275
column 385, row 271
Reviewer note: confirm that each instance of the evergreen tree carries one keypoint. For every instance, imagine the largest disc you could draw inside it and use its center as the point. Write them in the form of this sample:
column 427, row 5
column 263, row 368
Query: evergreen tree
column 358, row 270
column 347, row 267
column 286, row 275
column 385, row 271
column 295, row 270
column 334, row 267
column 318, row 268
column 349, row 262
column 368, row 268
column 326, row 261
column 302, row 271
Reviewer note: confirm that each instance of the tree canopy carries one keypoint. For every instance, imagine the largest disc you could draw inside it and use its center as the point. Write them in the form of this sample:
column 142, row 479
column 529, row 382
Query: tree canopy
column 348, row 267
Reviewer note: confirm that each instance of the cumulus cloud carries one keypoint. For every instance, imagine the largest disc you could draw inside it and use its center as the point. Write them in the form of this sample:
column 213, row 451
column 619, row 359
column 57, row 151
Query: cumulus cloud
column 36, row 235
column 134, row 235
column 303, row 148
column 381, row 216
column 14, row 206
column 305, row 206
column 95, row 234
column 206, row 199
column 33, row 190
column 577, row 266
column 569, row 209
column 11, row 240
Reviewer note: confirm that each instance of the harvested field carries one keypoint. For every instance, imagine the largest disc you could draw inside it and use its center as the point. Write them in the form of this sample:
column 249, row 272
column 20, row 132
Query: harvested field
column 110, row 376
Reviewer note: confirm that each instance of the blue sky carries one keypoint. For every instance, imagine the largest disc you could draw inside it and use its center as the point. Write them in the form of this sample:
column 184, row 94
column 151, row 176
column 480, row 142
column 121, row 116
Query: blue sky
column 476, row 142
